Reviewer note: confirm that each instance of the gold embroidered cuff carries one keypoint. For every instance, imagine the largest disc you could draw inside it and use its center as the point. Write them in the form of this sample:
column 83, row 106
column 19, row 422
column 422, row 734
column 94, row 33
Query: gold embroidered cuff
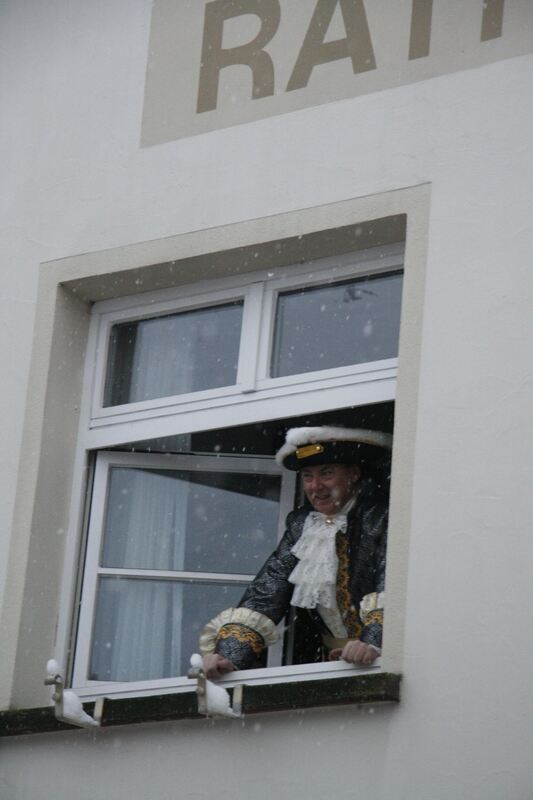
column 241, row 616
column 243, row 635
column 374, row 616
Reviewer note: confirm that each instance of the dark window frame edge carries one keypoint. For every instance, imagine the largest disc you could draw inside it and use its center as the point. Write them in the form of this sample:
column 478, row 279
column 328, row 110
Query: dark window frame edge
column 373, row 688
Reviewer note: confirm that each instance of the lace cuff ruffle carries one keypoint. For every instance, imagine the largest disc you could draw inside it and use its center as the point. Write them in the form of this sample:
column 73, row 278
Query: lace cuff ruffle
column 239, row 616
column 375, row 601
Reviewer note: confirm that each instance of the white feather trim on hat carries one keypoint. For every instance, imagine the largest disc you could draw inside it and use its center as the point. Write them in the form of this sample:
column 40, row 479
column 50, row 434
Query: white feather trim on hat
column 296, row 437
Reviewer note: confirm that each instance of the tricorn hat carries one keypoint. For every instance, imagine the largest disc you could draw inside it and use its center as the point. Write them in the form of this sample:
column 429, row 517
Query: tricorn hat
column 309, row 447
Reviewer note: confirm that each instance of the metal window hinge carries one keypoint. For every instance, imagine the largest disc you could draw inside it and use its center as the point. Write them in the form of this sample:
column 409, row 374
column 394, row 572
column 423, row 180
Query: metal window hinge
column 67, row 705
column 213, row 700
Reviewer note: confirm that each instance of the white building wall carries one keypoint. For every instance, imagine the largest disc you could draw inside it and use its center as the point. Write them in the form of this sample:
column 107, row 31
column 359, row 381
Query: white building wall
column 76, row 180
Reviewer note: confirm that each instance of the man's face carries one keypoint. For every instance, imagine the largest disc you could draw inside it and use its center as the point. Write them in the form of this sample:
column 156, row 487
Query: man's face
column 329, row 486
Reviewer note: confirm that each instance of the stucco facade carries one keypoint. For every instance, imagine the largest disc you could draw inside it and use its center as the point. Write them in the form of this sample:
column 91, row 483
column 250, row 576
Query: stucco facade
column 82, row 198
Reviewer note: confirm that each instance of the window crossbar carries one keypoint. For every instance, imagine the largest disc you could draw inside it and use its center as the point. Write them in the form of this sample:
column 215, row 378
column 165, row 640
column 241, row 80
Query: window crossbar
column 175, row 575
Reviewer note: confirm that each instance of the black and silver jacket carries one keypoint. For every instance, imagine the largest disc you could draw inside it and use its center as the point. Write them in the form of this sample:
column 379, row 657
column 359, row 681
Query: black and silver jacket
column 243, row 633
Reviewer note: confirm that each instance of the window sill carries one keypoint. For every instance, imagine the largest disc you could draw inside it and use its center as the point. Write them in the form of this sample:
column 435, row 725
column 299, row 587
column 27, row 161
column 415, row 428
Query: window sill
column 378, row 687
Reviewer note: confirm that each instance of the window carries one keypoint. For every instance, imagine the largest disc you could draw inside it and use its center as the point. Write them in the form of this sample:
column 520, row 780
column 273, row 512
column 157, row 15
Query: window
column 173, row 354
column 337, row 325
column 65, row 428
column 216, row 343
column 185, row 504
column 171, row 539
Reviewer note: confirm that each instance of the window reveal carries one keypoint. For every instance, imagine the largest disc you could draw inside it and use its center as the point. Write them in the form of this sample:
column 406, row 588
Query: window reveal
column 170, row 544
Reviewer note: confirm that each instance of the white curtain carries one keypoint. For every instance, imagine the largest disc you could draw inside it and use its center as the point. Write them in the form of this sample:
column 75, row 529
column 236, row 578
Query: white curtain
column 163, row 360
column 139, row 620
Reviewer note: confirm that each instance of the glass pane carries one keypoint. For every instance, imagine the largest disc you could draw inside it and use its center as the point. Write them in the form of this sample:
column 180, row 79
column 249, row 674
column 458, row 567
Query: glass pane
column 337, row 325
column 187, row 520
column 147, row 629
column 174, row 354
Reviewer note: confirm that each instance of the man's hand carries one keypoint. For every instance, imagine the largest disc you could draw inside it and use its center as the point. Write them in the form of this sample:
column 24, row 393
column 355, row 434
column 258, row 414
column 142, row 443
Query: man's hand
column 355, row 652
column 216, row 666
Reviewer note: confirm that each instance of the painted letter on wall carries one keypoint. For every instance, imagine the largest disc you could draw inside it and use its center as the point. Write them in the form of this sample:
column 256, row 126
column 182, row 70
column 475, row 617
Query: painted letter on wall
column 215, row 57
column 217, row 63
column 357, row 45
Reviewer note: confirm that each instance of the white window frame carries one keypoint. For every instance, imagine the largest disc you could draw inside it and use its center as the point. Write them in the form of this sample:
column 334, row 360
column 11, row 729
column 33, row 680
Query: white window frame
column 251, row 677
column 269, row 398
column 331, row 271
column 106, row 461
column 259, row 292
column 151, row 309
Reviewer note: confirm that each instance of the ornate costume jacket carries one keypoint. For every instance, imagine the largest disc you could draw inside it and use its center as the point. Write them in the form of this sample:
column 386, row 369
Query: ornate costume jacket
column 242, row 634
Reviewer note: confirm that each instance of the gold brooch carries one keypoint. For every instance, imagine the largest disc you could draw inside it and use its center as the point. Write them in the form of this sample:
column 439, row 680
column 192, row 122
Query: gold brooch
column 309, row 450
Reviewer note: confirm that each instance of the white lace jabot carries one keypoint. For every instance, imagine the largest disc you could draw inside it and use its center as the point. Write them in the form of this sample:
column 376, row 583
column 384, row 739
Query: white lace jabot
column 315, row 575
